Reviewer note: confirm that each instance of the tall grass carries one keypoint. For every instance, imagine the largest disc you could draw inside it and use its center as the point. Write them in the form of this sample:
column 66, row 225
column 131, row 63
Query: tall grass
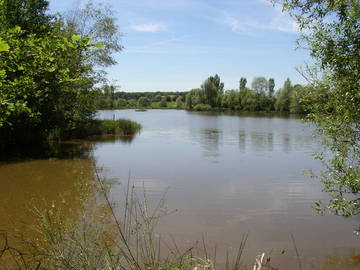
column 96, row 127
column 120, row 127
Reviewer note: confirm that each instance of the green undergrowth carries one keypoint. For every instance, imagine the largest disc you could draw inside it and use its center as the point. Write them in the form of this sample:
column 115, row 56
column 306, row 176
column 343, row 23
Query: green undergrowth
column 96, row 127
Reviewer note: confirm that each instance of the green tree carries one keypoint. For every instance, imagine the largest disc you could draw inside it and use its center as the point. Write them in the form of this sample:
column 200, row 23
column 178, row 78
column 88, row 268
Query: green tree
column 271, row 84
column 332, row 33
column 213, row 88
column 46, row 75
column 143, row 102
column 163, row 102
column 97, row 22
column 157, row 98
column 230, row 100
column 282, row 103
column 248, row 100
column 242, row 83
column 29, row 15
column 260, row 85
column 189, row 101
column 298, row 98
column 179, row 103
column 44, row 85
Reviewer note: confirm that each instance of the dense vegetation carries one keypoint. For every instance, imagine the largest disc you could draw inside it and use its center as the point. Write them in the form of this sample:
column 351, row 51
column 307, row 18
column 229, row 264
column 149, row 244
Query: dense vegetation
column 212, row 96
column 48, row 68
column 331, row 32
column 109, row 98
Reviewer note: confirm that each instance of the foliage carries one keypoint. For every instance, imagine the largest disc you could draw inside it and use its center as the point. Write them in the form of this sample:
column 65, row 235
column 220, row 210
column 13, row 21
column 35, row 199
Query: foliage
column 260, row 85
column 143, row 102
column 97, row 22
column 282, row 103
column 242, row 83
column 179, row 103
column 121, row 127
column 271, row 85
column 30, row 16
column 46, row 72
column 212, row 88
column 244, row 100
column 44, row 84
column 230, row 100
column 163, row 102
column 332, row 33
column 202, row 107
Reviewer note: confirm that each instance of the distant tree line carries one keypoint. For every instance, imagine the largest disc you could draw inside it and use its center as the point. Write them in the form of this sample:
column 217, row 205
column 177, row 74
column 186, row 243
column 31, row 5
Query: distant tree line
column 261, row 96
column 109, row 98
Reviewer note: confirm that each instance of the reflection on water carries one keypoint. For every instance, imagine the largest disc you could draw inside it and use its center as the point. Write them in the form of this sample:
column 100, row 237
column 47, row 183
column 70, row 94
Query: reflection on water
column 209, row 139
column 41, row 177
column 224, row 173
column 228, row 175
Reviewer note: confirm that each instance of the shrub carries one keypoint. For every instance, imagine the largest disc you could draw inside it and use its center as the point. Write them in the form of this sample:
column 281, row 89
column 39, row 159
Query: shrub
column 202, row 107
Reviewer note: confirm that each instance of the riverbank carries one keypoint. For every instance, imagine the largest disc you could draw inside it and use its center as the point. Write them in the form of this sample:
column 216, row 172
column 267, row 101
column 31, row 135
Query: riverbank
column 30, row 143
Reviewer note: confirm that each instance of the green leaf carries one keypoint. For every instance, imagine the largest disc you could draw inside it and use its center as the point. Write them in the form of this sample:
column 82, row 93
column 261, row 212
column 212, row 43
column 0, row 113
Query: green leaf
column 75, row 37
column 100, row 45
column 4, row 47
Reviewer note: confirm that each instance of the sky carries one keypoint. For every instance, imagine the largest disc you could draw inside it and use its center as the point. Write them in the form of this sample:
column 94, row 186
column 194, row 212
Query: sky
column 174, row 45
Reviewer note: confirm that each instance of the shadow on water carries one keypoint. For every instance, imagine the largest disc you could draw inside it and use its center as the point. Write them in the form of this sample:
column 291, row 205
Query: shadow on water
column 249, row 114
column 74, row 149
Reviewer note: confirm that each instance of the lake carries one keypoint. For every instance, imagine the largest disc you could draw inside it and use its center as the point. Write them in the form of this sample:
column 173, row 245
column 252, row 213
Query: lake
column 226, row 174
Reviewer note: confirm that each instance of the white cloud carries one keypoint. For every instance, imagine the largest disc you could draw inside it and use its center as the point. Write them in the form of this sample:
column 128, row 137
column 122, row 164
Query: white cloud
column 284, row 23
column 149, row 27
column 280, row 22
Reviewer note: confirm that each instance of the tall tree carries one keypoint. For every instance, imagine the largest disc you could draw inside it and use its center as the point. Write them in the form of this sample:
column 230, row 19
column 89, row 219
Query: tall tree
column 260, row 85
column 271, row 84
column 99, row 23
column 242, row 83
column 29, row 15
column 331, row 31
column 213, row 88
column 282, row 103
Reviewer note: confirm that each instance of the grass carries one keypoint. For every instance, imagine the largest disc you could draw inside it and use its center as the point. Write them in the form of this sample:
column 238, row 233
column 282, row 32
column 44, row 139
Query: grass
column 120, row 127
column 96, row 127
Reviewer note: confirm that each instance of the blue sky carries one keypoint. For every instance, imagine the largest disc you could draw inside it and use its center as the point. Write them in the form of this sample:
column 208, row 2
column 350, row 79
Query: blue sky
column 174, row 45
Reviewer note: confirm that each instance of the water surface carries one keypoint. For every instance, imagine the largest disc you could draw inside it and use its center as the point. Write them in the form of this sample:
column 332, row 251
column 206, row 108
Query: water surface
column 225, row 174
column 228, row 175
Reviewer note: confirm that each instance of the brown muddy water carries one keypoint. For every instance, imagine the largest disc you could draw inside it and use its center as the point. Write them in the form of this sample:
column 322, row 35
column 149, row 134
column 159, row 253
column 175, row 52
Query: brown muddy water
column 225, row 174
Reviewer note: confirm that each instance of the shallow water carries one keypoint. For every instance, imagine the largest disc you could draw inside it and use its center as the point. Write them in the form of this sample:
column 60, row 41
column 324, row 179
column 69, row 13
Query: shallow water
column 225, row 174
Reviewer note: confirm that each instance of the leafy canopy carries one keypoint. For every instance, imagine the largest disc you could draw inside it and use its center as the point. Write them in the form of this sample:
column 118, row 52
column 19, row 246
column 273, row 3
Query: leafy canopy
column 331, row 31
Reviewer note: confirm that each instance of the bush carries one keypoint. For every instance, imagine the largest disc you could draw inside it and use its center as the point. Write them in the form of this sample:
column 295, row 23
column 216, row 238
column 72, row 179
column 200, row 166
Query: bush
column 202, row 107
column 143, row 102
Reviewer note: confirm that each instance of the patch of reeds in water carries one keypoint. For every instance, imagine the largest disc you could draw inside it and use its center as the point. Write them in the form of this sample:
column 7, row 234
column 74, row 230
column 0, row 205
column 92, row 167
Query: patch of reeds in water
column 120, row 127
